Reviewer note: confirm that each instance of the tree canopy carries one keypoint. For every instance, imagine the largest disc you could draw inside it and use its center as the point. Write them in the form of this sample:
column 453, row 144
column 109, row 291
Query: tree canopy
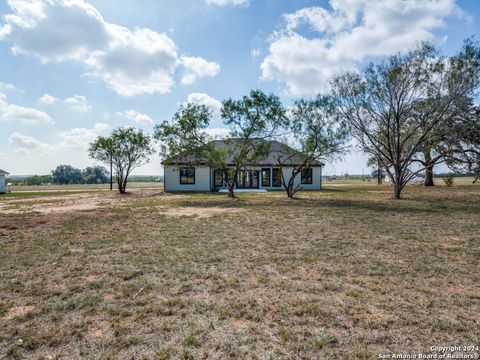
column 251, row 119
column 317, row 134
column 67, row 174
column 393, row 106
column 126, row 148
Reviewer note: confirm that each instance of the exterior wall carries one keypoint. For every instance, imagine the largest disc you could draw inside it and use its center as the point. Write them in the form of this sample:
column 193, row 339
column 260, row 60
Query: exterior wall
column 172, row 179
column 204, row 179
column 316, row 178
column 2, row 183
column 287, row 172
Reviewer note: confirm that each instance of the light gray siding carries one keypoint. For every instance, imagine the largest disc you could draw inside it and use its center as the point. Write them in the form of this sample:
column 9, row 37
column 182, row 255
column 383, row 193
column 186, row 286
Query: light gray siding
column 172, row 179
column 204, row 179
column 2, row 183
column 316, row 178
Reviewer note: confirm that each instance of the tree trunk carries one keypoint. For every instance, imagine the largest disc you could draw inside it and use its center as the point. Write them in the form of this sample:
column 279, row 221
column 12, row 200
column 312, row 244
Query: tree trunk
column 429, row 176
column 379, row 173
column 231, row 192
column 290, row 188
column 397, row 184
column 397, row 190
column 119, row 184
column 429, row 164
column 231, row 185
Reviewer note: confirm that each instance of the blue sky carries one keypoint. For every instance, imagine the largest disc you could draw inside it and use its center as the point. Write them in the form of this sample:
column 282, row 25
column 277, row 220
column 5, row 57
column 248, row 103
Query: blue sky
column 71, row 70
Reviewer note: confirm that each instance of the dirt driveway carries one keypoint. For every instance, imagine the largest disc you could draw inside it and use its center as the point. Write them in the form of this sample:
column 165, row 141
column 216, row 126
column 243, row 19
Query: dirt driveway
column 69, row 203
column 51, row 204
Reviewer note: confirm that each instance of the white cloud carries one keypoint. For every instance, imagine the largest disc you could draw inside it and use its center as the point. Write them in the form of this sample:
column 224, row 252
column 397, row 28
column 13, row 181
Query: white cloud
column 6, row 86
column 218, row 133
column 78, row 103
column 138, row 62
column 229, row 2
column 80, row 138
column 197, row 67
column 47, row 99
column 215, row 106
column 254, row 53
column 130, row 62
column 26, row 144
column 24, row 115
column 204, row 99
column 141, row 119
column 351, row 32
column 73, row 139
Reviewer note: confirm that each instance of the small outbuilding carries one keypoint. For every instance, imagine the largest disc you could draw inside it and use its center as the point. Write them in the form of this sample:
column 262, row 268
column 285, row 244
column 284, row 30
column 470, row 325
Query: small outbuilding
column 3, row 180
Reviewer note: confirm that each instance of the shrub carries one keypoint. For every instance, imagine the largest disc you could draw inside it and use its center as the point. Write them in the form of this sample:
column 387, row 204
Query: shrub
column 448, row 179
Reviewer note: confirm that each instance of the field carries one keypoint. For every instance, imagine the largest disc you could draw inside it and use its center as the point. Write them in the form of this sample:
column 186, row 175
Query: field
column 346, row 273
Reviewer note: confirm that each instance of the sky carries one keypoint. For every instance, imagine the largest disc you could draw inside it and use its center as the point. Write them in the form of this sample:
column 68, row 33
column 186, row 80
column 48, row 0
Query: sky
column 72, row 70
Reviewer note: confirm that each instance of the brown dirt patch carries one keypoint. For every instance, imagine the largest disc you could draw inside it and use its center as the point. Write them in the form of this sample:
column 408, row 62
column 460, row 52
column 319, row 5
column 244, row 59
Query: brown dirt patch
column 18, row 312
column 98, row 332
column 199, row 212
column 91, row 278
column 78, row 202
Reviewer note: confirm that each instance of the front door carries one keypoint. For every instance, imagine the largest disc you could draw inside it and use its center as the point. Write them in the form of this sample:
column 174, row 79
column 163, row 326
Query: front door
column 248, row 179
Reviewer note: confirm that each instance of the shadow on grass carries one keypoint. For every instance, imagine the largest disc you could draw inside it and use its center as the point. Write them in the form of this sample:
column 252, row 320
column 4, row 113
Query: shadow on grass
column 407, row 205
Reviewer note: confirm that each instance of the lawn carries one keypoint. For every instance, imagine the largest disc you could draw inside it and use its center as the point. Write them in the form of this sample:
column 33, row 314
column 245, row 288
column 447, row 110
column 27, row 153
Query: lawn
column 345, row 273
column 83, row 187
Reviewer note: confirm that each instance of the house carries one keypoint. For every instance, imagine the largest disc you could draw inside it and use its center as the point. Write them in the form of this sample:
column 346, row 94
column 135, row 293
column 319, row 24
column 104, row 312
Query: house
column 3, row 179
column 185, row 173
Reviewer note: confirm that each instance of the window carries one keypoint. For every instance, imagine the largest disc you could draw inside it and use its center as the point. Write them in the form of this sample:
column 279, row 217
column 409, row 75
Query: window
column 266, row 177
column 307, row 176
column 276, row 177
column 187, row 175
column 218, row 178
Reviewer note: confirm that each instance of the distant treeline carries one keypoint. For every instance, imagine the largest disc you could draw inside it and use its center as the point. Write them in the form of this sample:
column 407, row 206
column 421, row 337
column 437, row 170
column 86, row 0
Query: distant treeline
column 66, row 174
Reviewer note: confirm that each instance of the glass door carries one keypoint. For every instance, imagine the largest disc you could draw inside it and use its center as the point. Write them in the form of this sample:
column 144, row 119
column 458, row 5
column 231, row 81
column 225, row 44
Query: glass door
column 248, row 179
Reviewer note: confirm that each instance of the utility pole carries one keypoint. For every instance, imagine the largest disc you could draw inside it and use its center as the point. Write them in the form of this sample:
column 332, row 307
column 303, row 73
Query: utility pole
column 111, row 172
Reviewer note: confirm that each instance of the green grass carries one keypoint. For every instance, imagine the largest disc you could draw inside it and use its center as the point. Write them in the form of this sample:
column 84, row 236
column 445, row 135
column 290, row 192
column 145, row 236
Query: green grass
column 345, row 273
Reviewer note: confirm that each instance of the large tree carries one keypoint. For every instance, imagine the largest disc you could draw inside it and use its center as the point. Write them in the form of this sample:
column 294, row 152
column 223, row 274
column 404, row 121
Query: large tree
column 317, row 135
column 126, row 149
column 66, row 174
column 444, row 139
column 252, row 120
column 95, row 175
column 463, row 150
column 186, row 134
column 381, row 104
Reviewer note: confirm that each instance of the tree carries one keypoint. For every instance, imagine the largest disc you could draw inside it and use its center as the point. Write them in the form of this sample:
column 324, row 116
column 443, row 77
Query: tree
column 251, row 120
column 317, row 134
column 382, row 105
column 463, row 150
column 95, row 175
column 444, row 138
column 66, row 174
column 38, row 180
column 185, row 134
column 127, row 148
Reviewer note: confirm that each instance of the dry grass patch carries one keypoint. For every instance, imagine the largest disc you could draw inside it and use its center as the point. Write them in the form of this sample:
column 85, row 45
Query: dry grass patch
column 345, row 273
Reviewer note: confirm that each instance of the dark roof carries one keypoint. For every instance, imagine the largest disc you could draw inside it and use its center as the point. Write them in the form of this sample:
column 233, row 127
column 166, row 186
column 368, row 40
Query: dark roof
column 4, row 172
column 277, row 150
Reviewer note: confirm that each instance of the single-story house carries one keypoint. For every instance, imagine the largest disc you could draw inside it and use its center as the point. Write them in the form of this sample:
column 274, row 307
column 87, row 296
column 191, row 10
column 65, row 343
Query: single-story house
column 184, row 173
column 3, row 179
